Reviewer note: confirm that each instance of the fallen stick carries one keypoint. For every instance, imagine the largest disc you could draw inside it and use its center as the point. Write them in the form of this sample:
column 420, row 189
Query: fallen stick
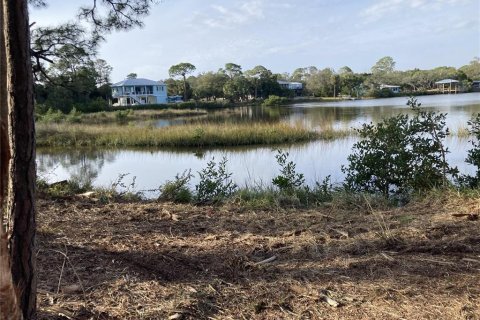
column 470, row 260
column 272, row 258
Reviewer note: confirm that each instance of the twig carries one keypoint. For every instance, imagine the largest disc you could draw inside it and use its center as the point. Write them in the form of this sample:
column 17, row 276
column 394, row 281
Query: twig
column 61, row 273
column 272, row 258
column 435, row 261
column 76, row 274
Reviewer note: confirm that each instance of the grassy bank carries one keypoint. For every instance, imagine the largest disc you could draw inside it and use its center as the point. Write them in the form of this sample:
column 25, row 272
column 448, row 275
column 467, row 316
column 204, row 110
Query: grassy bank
column 150, row 260
column 139, row 115
column 208, row 135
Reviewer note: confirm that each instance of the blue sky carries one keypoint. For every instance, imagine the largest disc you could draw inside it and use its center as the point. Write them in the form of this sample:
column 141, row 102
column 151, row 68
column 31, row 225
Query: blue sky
column 283, row 35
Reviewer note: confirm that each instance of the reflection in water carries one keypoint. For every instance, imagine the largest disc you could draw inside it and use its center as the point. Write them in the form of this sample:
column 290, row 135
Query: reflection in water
column 250, row 166
column 340, row 115
column 255, row 165
column 81, row 166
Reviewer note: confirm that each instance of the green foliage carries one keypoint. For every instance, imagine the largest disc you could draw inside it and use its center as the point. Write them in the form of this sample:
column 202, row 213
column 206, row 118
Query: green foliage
column 208, row 85
column 293, row 190
column 472, row 70
column 181, row 69
column 275, row 101
column 52, row 116
column 120, row 189
column 288, row 180
column 381, row 93
column 122, row 115
column 473, row 156
column 262, row 82
column 215, row 183
column 74, row 116
column 94, row 105
column 384, row 65
column 236, row 89
column 322, row 83
column 177, row 190
column 400, row 154
column 232, row 70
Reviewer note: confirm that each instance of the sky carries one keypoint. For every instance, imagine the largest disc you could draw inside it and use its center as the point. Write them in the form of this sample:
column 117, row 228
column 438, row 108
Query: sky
column 285, row 35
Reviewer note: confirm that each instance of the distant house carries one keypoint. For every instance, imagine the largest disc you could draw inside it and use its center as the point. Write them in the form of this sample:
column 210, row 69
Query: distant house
column 296, row 87
column 290, row 85
column 394, row 89
column 476, row 85
column 131, row 92
column 448, row 86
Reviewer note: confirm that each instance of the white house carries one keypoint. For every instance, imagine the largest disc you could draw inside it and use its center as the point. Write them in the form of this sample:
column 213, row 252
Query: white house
column 131, row 92
column 394, row 89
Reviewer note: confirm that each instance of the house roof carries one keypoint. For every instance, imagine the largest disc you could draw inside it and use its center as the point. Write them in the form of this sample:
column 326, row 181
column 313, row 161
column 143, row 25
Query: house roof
column 137, row 82
column 287, row 82
column 444, row 81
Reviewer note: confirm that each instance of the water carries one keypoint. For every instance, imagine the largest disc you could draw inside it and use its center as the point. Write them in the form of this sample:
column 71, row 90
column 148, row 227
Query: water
column 342, row 114
column 256, row 165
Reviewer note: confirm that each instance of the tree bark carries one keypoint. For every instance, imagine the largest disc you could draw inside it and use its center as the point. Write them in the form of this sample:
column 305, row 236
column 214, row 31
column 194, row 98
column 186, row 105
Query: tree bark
column 9, row 308
column 17, row 92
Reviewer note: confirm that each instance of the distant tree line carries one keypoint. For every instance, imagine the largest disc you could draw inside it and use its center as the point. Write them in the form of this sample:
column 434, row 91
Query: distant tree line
column 233, row 84
column 77, row 80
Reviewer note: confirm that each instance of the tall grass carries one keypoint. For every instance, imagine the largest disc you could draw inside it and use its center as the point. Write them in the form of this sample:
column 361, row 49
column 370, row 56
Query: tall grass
column 205, row 135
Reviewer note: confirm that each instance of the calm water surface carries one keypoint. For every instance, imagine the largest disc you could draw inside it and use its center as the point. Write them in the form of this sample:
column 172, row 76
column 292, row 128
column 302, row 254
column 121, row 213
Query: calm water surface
column 256, row 165
column 342, row 114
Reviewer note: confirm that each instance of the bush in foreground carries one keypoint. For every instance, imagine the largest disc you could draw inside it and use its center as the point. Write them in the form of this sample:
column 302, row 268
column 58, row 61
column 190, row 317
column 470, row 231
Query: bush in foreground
column 400, row 155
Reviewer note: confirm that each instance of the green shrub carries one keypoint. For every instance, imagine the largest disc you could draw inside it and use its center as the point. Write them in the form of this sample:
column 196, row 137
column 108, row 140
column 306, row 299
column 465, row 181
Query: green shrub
column 381, row 93
column 473, row 156
column 122, row 115
column 120, row 189
column 187, row 105
column 215, row 183
column 293, row 190
column 40, row 109
column 400, row 154
column 52, row 116
column 273, row 100
column 323, row 191
column 96, row 105
column 289, row 179
column 74, row 116
column 177, row 190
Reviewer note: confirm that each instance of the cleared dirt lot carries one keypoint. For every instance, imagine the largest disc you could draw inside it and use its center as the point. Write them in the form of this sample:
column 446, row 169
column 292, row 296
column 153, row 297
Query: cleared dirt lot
column 153, row 260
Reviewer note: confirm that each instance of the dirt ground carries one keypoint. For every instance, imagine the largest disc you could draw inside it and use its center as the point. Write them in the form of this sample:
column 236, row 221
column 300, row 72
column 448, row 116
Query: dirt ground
column 165, row 261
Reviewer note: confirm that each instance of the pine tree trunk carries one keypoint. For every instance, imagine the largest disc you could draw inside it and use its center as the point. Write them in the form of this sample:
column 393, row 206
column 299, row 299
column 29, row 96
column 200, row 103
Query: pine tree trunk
column 16, row 84
column 9, row 308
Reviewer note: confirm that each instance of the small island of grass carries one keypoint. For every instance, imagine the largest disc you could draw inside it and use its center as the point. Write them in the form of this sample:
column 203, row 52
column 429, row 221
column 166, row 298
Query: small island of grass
column 192, row 135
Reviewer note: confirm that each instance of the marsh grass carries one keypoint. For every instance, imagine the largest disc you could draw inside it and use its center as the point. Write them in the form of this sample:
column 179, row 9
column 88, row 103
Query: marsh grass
column 204, row 135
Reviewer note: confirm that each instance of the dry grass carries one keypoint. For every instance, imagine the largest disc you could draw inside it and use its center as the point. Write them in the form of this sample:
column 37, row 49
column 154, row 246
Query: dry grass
column 163, row 261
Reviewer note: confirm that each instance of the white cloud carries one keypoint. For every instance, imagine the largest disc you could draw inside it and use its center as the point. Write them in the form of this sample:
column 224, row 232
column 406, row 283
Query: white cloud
column 221, row 16
column 380, row 8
